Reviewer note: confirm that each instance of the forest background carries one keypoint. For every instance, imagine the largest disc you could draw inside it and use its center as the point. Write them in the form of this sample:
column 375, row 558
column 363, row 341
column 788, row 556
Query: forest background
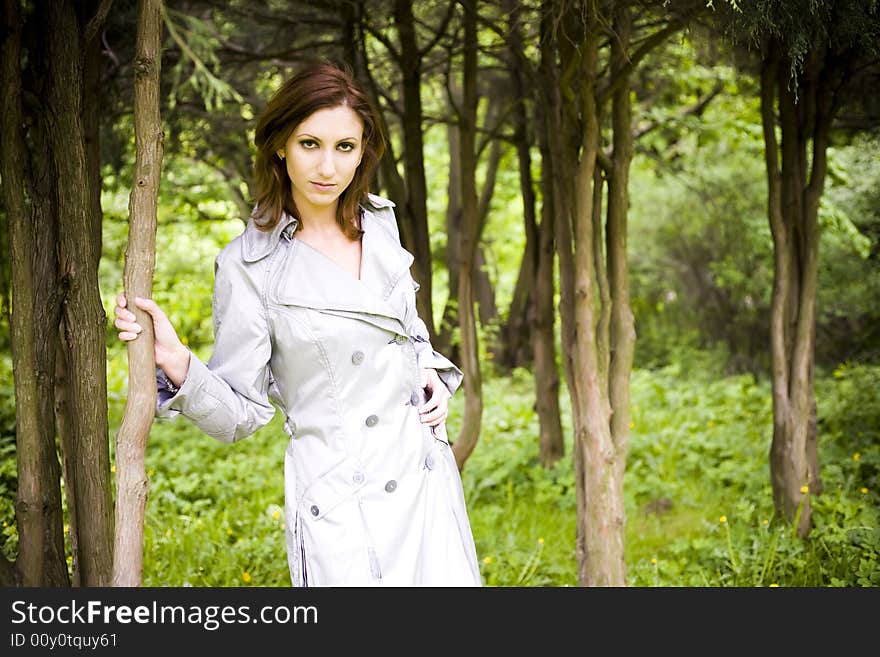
column 501, row 115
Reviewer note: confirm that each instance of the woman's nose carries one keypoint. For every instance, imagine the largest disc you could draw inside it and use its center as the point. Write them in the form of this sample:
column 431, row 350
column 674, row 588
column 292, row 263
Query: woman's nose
column 326, row 165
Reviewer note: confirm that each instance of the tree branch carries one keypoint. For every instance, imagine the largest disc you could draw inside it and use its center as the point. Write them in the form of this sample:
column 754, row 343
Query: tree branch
column 96, row 22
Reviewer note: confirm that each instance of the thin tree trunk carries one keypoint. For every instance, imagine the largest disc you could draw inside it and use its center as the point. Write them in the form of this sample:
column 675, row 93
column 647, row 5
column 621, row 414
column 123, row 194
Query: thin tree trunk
column 542, row 316
column 63, row 411
column 598, row 468
column 453, row 246
column 515, row 337
column 132, row 485
column 473, row 405
column 414, row 227
column 30, row 518
column 485, row 292
column 39, row 519
column 622, row 329
column 63, row 417
column 91, row 129
column 83, row 321
column 795, row 187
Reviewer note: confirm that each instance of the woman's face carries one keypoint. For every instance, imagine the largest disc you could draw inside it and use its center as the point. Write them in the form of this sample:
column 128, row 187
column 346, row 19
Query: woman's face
column 322, row 155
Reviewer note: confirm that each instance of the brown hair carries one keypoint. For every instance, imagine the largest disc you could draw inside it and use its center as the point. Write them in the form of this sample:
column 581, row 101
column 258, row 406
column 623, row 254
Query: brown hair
column 319, row 84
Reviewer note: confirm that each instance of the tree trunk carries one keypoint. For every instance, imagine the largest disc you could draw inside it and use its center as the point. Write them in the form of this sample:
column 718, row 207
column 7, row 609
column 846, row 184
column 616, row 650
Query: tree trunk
column 795, row 184
column 83, row 319
column 541, row 314
column 132, row 485
column 585, row 295
column 39, row 519
column 63, row 417
column 622, row 336
column 449, row 320
column 470, row 228
column 516, row 336
column 485, row 292
column 414, row 211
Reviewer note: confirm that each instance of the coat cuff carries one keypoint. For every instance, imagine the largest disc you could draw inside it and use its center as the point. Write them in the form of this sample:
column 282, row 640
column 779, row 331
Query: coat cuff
column 427, row 358
column 172, row 400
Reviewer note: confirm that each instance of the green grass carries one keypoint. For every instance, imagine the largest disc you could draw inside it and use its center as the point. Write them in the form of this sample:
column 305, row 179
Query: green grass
column 697, row 493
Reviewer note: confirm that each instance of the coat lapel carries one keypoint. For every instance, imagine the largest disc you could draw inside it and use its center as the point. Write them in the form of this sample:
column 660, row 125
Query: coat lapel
column 313, row 280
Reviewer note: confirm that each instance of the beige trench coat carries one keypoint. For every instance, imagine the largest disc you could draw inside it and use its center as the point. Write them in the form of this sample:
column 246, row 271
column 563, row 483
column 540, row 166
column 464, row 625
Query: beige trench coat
column 372, row 496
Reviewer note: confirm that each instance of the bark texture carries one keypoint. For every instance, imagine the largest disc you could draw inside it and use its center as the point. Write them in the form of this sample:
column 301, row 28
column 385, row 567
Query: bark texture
column 470, row 228
column 598, row 335
column 132, row 485
column 795, row 180
column 83, row 321
column 40, row 561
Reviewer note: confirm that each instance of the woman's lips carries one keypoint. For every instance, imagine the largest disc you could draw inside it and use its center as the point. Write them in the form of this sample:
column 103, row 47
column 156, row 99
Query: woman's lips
column 324, row 187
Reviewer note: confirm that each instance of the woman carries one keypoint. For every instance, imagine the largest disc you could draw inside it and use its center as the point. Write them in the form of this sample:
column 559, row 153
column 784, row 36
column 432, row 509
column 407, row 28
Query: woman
column 314, row 311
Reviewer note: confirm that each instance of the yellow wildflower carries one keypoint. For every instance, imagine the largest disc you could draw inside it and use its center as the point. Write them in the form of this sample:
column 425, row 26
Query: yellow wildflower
column 113, row 468
column 722, row 519
column 856, row 456
column 774, row 586
column 276, row 514
column 805, row 489
column 654, row 562
column 487, row 560
column 540, row 541
column 765, row 521
column 229, row 531
column 863, row 490
column 151, row 472
column 246, row 576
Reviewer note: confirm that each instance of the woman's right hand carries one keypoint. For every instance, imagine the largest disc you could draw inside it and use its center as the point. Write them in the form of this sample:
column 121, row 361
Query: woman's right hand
column 170, row 353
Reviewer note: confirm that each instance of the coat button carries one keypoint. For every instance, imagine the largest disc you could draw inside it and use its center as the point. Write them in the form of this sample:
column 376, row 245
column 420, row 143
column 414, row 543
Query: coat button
column 391, row 486
column 372, row 420
column 357, row 357
column 400, row 339
column 358, row 477
column 414, row 398
column 314, row 510
column 429, row 462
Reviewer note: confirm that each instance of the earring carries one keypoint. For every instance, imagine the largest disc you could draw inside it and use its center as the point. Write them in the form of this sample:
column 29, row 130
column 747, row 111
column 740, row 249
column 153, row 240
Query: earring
column 280, row 156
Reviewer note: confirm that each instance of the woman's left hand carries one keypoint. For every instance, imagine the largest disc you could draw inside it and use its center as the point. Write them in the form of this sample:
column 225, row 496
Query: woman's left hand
column 436, row 407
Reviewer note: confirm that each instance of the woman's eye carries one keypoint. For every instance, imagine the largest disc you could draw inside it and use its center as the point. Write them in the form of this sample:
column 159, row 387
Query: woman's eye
column 308, row 143
column 345, row 147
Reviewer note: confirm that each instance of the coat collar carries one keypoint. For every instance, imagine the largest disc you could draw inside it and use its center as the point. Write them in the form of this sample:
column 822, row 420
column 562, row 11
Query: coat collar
column 313, row 280
column 257, row 244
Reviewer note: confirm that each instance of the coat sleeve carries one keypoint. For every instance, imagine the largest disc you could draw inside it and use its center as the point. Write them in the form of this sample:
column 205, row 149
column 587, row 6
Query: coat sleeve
column 427, row 357
column 449, row 373
column 227, row 398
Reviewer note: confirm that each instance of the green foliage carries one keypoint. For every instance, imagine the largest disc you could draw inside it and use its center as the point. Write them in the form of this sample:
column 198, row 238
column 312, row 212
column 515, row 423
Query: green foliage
column 193, row 228
column 198, row 43
column 697, row 494
column 700, row 248
column 848, row 323
column 702, row 446
column 215, row 516
column 8, row 469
